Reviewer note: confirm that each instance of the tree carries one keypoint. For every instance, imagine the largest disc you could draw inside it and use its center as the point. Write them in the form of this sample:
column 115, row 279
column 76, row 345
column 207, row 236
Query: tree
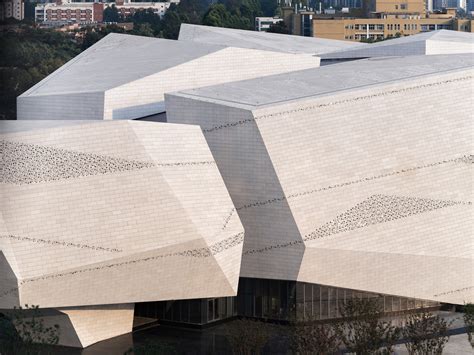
column 362, row 331
column 469, row 322
column 216, row 16
column 233, row 14
column 23, row 331
column 187, row 11
column 308, row 338
column 425, row 334
column 268, row 7
column 247, row 337
column 28, row 55
column 171, row 23
column 279, row 27
column 193, row 10
column 8, row 335
column 148, row 18
column 143, row 29
column 111, row 14
column 93, row 35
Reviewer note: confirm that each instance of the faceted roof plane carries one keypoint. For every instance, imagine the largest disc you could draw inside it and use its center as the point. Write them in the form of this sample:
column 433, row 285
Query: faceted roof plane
column 328, row 80
column 125, row 77
column 261, row 40
column 118, row 59
column 428, row 43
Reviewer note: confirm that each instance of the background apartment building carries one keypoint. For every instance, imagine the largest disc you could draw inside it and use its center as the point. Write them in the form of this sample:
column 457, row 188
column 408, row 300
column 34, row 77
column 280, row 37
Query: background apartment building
column 84, row 12
column 469, row 6
column 128, row 8
column 12, row 9
column 69, row 12
column 377, row 20
column 357, row 29
column 264, row 23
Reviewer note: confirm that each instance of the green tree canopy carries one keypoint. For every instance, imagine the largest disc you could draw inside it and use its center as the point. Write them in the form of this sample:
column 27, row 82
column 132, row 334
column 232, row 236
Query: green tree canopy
column 111, row 14
column 27, row 57
column 171, row 23
column 279, row 27
column 143, row 29
column 235, row 13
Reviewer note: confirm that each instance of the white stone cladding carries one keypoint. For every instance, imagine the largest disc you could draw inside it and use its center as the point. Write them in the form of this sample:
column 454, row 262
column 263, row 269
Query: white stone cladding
column 95, row 323
column 114, row 212
column 194, row 34
column 125, row 77
column 355, row 175
column 367, row 187
column 141, row 98
column 81, row 106
column 428, row 43
column 83, row 326
column 444, row 47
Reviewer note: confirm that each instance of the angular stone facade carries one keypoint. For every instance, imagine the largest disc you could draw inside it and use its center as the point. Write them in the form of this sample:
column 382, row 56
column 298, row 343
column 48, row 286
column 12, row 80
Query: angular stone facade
column 125, row 77
column 113, row 213
column 362, row 182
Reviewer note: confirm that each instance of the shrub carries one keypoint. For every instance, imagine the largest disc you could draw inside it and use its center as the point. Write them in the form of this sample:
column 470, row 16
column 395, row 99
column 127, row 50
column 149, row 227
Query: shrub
column 425, row 334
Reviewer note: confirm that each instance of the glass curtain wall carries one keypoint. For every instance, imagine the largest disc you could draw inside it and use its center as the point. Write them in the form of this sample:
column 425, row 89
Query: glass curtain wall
column 288, row 300
column 193, row 312
column 277, row 300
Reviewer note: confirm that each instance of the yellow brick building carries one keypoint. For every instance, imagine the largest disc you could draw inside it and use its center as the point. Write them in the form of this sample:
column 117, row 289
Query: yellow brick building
column 357, row 29
column 402, row 7
column 377, row 20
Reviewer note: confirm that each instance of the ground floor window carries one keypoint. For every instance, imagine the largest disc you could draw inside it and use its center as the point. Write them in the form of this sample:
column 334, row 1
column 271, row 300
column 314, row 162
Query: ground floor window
column 273, row 300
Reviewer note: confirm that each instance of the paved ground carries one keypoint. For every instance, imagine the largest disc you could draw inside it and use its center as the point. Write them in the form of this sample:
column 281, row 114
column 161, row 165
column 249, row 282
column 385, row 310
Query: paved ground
column 212, row 341
column 457, row 345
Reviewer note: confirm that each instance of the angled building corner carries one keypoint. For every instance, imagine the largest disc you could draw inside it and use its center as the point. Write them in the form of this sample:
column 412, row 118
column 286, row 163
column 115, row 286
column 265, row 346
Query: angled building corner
column 98, row 216
column 334, row 180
